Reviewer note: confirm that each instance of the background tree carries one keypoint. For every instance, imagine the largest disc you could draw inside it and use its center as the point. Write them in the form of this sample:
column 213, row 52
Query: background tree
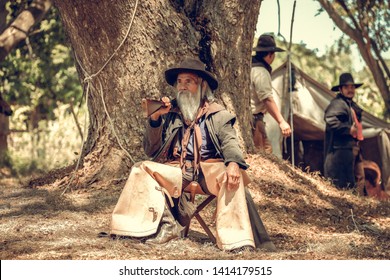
column 22, row 25
column 122, row 49
column 37, row 72
column 367, row 23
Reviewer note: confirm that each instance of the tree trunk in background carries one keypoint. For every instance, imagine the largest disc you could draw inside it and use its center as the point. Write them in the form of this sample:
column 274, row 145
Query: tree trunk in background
column 219, row 32
column 3, row 15
column 20, row 27
column 4, row 131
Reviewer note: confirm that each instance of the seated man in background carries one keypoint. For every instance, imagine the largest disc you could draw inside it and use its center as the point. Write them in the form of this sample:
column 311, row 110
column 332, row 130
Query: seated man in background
column 193, row 142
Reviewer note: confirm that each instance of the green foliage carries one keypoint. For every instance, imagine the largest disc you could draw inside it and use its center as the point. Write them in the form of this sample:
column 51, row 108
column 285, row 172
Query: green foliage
column 368, row 96
column 40, row 72
column 39, row 79
column 5, row 160
column 367, row 23
column 371, row 17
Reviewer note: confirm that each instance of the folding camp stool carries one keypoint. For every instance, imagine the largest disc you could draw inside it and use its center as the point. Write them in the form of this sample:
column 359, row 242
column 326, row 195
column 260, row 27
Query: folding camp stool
column 193, row 189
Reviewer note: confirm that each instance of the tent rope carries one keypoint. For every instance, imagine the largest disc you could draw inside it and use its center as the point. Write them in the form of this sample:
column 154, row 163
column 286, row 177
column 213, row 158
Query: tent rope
column 88, row 81
column 90, row 77
column 112, row 124
column 81, row 148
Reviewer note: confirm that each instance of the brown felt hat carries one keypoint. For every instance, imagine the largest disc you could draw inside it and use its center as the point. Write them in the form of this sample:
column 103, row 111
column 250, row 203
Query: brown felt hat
column 345, row 79
column 267, row 43
column 191, row 65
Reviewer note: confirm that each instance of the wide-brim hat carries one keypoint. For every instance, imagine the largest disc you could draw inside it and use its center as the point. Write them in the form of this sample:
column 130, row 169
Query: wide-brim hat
column 346, row 79
column 191, row 65
column 266, row 43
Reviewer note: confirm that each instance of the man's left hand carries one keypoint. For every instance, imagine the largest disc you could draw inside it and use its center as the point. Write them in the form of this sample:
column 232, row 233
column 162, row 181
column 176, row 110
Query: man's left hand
column 233, row 176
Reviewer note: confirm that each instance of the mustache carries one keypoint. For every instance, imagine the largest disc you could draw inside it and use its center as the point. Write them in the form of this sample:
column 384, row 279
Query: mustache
column 183, row 92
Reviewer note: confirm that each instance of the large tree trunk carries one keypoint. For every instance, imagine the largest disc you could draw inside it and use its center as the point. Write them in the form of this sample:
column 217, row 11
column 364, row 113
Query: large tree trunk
column 21, row 26
column 3, row 15
column 219, row 32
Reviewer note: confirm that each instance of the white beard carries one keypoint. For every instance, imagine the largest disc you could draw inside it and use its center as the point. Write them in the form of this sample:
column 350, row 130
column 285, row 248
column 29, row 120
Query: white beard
column 188, row 104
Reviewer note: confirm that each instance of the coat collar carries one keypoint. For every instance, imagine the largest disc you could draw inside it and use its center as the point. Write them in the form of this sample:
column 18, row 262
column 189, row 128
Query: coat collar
column 256, row 62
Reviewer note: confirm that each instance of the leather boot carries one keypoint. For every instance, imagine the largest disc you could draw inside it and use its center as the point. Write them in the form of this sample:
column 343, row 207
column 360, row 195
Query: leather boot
column 168, row 229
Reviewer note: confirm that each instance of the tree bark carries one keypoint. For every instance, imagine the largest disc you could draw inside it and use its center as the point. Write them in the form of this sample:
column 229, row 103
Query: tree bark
column 366, row 49
column 5, row 112
column 4, row 124
column 21, row 26
column 119, row 69
column 3, row 15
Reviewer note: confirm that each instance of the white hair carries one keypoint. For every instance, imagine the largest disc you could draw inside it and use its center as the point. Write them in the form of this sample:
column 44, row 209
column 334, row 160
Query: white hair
column 206, row 91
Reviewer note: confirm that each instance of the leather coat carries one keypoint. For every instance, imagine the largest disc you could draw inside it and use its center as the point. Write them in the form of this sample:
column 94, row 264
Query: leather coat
column 158, row 141
column 342, row 153
column 338, row 119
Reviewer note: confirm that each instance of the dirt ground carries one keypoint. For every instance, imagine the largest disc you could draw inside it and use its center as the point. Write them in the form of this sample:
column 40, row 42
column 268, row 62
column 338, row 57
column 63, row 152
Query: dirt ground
column 306, row 217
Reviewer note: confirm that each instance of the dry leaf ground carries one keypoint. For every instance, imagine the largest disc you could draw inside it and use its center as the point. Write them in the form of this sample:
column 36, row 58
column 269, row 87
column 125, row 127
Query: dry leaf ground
column 306, row 217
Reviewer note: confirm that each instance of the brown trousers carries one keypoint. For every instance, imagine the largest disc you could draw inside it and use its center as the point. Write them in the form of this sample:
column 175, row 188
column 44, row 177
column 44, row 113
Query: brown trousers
column 260, row 139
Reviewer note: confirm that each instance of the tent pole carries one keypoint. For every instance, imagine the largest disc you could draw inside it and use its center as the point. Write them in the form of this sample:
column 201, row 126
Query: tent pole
column 291, row 114
column 291, row 88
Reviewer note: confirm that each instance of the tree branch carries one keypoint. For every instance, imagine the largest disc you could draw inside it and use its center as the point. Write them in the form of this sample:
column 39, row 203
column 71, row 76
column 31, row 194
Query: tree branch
column 19, row 28
column 3, row 15
column 380, row 58
column 365, row 46
column 337, row 19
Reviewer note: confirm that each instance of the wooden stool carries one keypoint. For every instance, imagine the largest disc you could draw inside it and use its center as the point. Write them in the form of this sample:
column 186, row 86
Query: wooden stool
column 194, row 188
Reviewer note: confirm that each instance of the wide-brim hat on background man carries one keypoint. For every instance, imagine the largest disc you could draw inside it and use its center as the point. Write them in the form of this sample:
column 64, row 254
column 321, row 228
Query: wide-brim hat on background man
column 266, row 43
column 344, row 80
column 191, row 65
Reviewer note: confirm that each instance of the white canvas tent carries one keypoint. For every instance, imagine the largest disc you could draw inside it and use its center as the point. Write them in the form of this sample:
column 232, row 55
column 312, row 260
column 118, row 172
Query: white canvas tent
column 309, row 100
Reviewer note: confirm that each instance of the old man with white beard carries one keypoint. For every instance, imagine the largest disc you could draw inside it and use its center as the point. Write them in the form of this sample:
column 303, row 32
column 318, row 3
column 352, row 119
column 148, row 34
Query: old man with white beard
column 194, row 141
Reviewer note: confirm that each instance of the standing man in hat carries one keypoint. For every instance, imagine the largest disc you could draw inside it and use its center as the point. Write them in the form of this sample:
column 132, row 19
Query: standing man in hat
column 261, row 93
column 343, row 118
column 193, row 143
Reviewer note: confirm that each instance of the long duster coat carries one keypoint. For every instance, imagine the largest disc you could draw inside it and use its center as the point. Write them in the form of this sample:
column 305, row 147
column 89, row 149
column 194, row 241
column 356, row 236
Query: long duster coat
column 341, row 149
